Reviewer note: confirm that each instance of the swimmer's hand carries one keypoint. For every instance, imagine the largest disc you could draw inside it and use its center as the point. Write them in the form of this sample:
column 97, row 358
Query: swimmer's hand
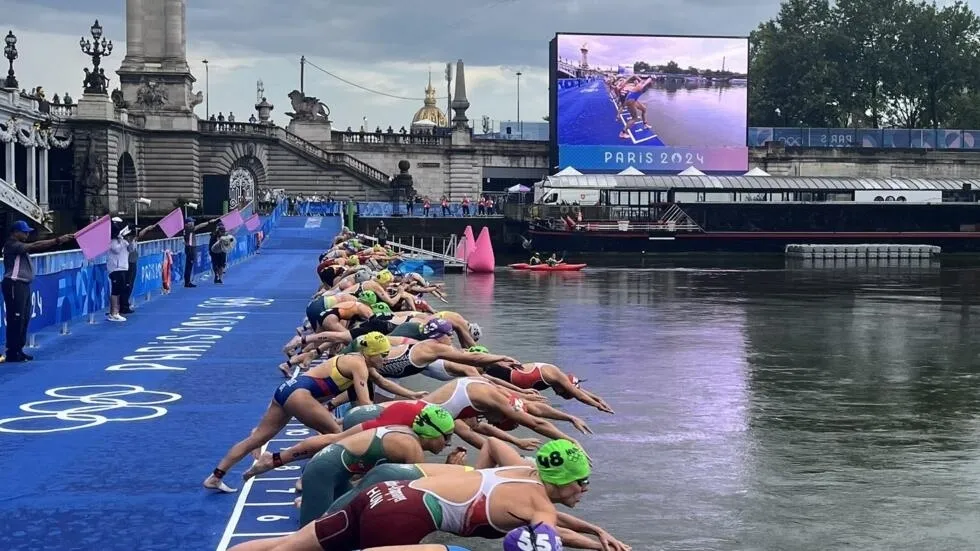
column 509, row 363
column 528, row 444
column 609, row 543
column 581, row 426
column 457, row 457
column 604, row 407
column 418, row 395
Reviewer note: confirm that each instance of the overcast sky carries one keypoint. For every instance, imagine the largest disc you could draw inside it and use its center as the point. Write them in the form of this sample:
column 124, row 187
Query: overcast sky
column 383, row 45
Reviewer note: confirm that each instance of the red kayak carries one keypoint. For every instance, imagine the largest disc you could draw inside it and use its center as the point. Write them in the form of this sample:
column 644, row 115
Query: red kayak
column 520, row 266
column 556, row 268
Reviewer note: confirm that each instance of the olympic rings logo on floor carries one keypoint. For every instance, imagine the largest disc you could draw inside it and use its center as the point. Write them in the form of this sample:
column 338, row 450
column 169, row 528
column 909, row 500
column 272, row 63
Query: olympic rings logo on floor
column 87, row 406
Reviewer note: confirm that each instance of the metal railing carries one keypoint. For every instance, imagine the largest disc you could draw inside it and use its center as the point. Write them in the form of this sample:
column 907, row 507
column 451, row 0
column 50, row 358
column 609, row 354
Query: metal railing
column 391, row 137
column 300, row 145
column 418, row 249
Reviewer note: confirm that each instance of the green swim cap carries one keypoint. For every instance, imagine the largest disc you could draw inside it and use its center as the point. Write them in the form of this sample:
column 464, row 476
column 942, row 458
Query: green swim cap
column 477, row 349
column 561, row 462
column 433, row 422
column 368, row 297
column 381, row 308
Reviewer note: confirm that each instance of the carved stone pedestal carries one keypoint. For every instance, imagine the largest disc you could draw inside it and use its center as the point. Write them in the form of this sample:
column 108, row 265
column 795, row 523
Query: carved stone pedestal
column 96, row 107
column 313, row 131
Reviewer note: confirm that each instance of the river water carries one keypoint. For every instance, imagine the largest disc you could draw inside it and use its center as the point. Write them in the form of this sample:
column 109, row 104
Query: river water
column 759, row 406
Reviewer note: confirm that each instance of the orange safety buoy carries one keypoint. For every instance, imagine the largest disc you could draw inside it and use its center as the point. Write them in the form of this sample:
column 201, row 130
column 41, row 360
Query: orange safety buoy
column 168, row 262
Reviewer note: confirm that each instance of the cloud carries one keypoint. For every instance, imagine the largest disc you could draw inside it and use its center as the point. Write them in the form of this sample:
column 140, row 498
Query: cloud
column 383, row 45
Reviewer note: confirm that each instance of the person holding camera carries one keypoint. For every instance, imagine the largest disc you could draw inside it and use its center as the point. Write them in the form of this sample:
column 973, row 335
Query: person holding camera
column 125, row 305
column 220, row 244
column 18, row 274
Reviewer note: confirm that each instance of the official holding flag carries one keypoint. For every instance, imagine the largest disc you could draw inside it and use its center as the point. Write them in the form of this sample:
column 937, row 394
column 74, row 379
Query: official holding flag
column 18, row 274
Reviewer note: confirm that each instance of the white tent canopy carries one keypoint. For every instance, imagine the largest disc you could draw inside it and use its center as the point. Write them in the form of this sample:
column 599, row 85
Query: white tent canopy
column 518, row 189
column 568, row 171
column 756, row 171
column 631, row 171
column 691, row 171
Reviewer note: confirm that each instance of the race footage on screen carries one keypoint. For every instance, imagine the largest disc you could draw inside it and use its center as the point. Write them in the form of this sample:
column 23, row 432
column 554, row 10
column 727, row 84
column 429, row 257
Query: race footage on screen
column 657, row 103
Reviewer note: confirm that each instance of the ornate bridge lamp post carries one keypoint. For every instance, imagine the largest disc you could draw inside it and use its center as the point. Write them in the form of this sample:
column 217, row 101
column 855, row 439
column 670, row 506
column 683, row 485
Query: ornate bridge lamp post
column 95, row 80
column 10, row 52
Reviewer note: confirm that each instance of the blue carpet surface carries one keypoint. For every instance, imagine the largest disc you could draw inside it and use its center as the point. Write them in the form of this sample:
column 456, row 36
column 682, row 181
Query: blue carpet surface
column 106, row 437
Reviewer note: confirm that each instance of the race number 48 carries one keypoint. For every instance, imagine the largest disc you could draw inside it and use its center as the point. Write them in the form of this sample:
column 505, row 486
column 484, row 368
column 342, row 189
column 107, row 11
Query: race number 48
column 542, row 542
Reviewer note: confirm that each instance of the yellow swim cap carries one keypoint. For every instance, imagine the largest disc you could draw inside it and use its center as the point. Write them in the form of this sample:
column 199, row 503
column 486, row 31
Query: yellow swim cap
column 384, row 277
column 444, row 314
column 373, row 344
column 353, row 261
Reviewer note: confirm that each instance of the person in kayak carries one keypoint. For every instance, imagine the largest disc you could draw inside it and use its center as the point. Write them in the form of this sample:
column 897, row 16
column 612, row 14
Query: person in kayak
column 535, row 259
column 328, row 474
column 542, row 376
column 486, row 503
column 301, row 398
column 553, row 260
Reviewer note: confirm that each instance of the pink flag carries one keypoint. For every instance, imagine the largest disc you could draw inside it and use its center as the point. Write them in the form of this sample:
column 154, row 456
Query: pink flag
column 232, row 220
column 253, row 223
column 172, row 223
column 94, row 238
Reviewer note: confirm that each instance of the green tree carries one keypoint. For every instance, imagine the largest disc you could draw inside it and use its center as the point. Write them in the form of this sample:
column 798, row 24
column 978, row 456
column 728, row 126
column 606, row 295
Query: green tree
column 794, row 70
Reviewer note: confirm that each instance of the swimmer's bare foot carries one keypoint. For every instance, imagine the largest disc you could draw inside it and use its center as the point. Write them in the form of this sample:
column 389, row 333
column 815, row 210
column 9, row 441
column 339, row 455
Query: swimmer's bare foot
column 299, row 485
column 292, row 345
column 286, row 371
column 263, row 463
column 214, row 483
column 298, row 502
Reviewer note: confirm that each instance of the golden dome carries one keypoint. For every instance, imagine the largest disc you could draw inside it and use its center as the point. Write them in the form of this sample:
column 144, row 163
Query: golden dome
column 429, row 112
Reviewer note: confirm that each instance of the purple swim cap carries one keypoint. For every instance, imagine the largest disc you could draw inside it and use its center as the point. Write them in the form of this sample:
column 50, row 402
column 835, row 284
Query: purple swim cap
column 533, row 538
column 433, row 329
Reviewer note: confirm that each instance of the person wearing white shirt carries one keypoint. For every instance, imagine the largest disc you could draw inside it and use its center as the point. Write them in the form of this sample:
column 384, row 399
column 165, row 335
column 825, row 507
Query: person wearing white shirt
column 117, row 264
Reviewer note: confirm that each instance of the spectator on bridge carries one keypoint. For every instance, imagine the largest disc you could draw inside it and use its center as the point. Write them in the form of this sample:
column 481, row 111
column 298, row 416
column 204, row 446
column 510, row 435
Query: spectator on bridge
column 481, row 206
column 409, row 204
column 426, row 205
column 466, row 205
column 125, row 306
column 18, row 274
column 444, row 203
column 189, row 229
column 490, row 206
column 117, row 264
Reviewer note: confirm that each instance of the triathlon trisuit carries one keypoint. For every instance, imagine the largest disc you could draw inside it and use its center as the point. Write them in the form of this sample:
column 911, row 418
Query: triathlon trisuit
column 398, row 413
column 322, row 388
column 409, row 514
column 402, row 366
column 459, row 405
column 318, row 309
column 387, row 472
column 383, row 326
column 328, row 474
column 345, row 311
column 520, row 378
column 410, row 329
column 633, row 96
column 327, row 272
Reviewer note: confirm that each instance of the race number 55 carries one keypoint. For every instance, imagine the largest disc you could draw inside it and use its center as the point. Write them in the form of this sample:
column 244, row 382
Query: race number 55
column 542, row 542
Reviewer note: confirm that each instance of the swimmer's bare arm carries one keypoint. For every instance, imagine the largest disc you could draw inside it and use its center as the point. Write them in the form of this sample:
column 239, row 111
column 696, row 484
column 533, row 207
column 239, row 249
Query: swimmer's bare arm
column 571, row 538
column 446, row 352
column 406, row 450
column 467, row 434
column 460, row 370
column 495, row 453
column 496, row 432
column 393, row 387
column 538, row 425
column 361, row 375
column 544, row 410
column 530, row 393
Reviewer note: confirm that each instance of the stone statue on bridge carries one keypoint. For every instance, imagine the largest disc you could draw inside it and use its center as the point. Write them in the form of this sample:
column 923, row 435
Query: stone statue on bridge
column 308, row 108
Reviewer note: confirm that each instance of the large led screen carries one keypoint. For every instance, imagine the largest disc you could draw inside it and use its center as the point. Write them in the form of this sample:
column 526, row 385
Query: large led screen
column 656, row 103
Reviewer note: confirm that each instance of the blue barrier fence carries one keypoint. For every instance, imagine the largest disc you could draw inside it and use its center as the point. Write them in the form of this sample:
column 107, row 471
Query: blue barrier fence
column 67, row 287
column 883, row 138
